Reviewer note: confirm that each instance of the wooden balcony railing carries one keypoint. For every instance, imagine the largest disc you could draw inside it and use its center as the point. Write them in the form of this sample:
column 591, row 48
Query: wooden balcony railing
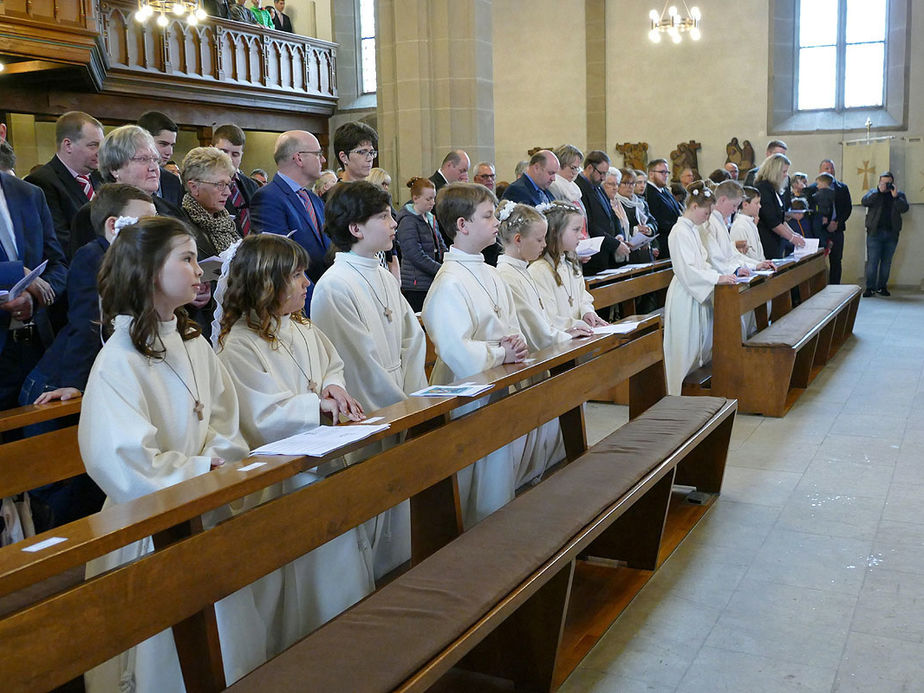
column 215, row 62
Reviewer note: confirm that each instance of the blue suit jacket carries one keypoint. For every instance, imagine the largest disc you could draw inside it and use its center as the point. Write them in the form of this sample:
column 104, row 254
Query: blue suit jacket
column 36, row 241
column 276, row 208
column 526, row 192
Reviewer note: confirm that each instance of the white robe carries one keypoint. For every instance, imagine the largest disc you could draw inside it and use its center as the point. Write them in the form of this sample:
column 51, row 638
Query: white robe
column 460, row 319
column 138, row 434
column 566, row 303
column 547, row 445
column 272, row 387
column 688, row 309
column 744, row 228
column 726, row 259
column 384, row 362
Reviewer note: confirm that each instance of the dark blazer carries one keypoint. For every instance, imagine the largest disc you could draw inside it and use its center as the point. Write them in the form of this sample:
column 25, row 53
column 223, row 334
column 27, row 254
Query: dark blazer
column 438, row 180
column 525, row 191
column 873, row 201
column 171, row 188
column 276, row 208
column 281, row 21
column 68, row 361
column 216, row 8
column 666, row 210
column 82, row 231
column 772, row 214
column 36, row 242
column 63, row 194
column 843, row 205
column 601, row 221
column 248, row 187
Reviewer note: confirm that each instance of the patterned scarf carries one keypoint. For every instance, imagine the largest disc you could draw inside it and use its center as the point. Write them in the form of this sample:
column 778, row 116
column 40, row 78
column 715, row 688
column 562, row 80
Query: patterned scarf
column 219, row 227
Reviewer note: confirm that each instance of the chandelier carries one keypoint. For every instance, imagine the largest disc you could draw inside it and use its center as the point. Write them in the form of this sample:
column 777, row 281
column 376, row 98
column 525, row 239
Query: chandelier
column 178, row 8
column 673, row 23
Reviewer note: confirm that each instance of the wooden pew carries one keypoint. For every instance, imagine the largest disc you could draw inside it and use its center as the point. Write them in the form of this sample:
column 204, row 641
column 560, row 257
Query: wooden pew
column 495, row 600
column 622, row 290
column 193, row 568
column 768, row 371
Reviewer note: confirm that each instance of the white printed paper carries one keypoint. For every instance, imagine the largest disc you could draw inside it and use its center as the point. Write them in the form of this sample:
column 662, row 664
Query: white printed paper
column 252, row 465
column 47, row 543
column 639, row 240
column 616, row 328
column 589, row 246
column 22, row 284
column 811, row 246
column 461, row 390
column 319, row 441
column 211, row 268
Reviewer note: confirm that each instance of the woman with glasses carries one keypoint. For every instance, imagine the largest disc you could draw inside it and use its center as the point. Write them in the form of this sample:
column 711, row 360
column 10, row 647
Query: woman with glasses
column 127, row 155
column 207, row 174
column 563, row 187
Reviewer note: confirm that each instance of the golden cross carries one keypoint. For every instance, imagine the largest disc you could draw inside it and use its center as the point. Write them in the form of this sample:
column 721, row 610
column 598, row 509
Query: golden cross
column 866, row 169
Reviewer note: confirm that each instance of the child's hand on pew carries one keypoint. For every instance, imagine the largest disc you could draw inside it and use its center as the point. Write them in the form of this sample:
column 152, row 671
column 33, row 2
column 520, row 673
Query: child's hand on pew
column 61, row 393
column 216, row 462
column 581, row 330
column 594, row 320
column 766, row 265
column 515, row 349
column 337, row 402
column 726, row 279
column 743, row 272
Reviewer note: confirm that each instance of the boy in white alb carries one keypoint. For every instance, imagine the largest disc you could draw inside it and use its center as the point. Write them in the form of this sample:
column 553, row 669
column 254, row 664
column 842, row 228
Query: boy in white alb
column 470, row 317
column 744, row 233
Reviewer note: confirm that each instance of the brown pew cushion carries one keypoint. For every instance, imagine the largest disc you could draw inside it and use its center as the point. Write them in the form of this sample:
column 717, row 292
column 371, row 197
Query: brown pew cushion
column 790, row 329
column 385, row 639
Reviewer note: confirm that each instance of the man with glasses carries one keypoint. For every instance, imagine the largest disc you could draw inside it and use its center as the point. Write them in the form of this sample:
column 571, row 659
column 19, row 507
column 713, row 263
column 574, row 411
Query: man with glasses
column 286, row 204
column 662, row 205
column 601, row 219
column 485, row 175
column 356, row 146
column 453, row 169
column 532, row 187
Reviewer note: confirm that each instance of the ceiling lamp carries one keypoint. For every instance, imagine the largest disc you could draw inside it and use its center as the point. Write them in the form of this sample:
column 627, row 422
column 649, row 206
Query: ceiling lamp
column 673, row 23
column 162, row 8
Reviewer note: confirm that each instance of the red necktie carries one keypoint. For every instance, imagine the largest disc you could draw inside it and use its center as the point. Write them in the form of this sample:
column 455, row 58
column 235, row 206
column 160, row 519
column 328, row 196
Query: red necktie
column 243, row 214
column 306, row 200
column 87, row 186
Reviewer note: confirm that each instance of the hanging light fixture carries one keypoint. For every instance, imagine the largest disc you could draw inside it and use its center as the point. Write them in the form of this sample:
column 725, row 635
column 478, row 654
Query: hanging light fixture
column 164, row 8
column 671, row 22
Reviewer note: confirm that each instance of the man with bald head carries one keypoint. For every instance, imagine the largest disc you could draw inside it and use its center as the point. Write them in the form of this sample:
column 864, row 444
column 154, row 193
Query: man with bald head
column 732, row 169
column 454, row 169
column 485, row 175
column 532, row 187
column 287, row 204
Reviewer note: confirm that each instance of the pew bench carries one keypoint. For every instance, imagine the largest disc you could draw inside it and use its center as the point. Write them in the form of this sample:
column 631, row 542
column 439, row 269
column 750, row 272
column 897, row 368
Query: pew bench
column 193, row 567
column 767, row 371
column 494, row 601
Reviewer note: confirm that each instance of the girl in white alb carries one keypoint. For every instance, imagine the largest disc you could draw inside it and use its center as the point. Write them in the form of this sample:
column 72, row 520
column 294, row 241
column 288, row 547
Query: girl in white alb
column 159, row 408
column 287, row 375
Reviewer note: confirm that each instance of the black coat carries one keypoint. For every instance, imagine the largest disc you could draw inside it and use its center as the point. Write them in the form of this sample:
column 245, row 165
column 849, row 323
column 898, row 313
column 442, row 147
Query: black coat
column 64, row 196
column 665, row 210
column 601, row 221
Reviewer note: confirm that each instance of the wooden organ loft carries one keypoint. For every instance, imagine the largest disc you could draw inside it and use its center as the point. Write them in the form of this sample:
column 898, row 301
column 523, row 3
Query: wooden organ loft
column 92, row 55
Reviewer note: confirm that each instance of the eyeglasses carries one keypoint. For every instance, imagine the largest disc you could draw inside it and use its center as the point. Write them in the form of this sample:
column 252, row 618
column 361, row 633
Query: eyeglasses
column 663, row 171
column 319, row 153
column 145, row 159
column 603, row 172
column 486, row 175
column 219, row 185
column 574, row 167
column 366, row 153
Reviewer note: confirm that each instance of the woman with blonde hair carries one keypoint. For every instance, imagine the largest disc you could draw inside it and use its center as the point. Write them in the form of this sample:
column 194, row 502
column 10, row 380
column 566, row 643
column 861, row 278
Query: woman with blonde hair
column 207, row 173
column 775, row 233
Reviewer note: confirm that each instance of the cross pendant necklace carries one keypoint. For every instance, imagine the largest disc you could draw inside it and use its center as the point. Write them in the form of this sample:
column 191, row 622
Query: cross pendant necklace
column 494, row 302
column 198, row 406
column 387, row 312
column 312, row 384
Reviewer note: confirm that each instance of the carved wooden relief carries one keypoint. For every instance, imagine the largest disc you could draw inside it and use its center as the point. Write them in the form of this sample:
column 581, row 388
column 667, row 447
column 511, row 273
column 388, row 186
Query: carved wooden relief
column 742, row 155
column 685, row 156
column 634, row 154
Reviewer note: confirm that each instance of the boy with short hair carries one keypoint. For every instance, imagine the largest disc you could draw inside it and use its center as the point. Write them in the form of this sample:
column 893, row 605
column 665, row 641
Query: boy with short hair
column 470, row 317
column 823, row 200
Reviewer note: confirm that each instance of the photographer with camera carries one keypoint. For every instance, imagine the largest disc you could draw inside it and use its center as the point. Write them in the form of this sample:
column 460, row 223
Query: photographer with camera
column 885, row 205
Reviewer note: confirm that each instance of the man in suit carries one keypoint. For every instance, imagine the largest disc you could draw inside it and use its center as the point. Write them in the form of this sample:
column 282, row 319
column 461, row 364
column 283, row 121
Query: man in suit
column 66, row 179
column 662, row 205
column 230, row 139
column 453, row 169
column 773, row 147
column 164, row 130
column 287, row 204
column 485, row 175
column 532, row 187
column 27, row 238
column 832, row 235
column 280, row 19
column 601, row 220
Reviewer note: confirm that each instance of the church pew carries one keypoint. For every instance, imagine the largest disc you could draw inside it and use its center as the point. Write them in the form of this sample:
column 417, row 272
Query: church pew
column 495, row 600
column 192, row 568
column 622, row 290
column 18, row 417
column 770, row 369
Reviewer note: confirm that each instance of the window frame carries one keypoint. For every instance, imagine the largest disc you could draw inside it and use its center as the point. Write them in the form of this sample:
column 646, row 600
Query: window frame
column 783, row 114
column 360, row 40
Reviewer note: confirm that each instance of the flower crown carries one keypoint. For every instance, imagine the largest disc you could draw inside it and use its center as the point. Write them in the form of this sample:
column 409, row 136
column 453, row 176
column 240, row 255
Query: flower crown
column 506, row 209
column 706, row 193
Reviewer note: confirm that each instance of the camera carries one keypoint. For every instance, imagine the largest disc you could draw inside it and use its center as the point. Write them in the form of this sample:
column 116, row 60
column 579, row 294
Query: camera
column 890, row 186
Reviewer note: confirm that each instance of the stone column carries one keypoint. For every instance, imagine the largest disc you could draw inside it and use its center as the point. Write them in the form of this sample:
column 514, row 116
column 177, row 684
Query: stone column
column 595, row 45
column 435, row 84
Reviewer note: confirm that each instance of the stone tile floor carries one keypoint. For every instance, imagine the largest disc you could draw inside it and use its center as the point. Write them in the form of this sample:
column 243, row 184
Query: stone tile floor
column 808, row 573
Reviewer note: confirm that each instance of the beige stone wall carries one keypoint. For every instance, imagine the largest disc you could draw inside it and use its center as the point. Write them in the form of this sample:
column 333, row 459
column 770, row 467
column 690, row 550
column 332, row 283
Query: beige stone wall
column 311, row 18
